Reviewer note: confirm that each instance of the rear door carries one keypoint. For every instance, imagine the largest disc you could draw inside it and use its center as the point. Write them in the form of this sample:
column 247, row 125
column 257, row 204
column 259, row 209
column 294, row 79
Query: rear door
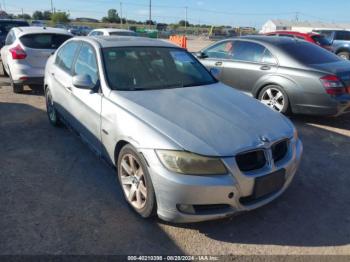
column 39, row 47
column 216, row 55
column 250, row 62
column 86, row 103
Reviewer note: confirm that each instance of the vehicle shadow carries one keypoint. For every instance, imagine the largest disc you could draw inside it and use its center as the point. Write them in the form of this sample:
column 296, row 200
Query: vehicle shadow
column 314, row 211
column 57, row 197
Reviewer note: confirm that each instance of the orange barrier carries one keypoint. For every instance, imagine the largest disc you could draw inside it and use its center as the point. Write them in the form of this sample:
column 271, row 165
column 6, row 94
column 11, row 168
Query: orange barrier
column 180, row 40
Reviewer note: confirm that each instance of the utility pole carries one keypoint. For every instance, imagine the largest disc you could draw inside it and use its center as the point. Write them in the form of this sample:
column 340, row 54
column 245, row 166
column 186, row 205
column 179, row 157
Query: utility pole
column 297, row 16
column 186, row 20
column 22, row 12
column 121, row 14
column 150, row 13
column 52, row 10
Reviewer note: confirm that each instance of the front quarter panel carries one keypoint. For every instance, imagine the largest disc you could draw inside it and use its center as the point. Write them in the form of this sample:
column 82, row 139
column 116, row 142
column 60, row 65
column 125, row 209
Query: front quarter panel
column 120, row 125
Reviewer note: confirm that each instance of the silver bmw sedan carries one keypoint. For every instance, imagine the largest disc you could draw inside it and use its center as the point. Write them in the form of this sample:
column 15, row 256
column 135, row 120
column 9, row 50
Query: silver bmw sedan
column 185, row 146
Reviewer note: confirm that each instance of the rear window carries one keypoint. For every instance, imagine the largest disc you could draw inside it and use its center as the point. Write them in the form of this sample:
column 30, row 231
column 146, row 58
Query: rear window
column 308, row 54
column 44, row 41
column 6, row 26
column 321, row 40
column 123, row 33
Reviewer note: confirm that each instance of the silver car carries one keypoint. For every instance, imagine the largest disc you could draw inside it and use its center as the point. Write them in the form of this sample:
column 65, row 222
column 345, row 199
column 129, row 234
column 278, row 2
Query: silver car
column 185, row 146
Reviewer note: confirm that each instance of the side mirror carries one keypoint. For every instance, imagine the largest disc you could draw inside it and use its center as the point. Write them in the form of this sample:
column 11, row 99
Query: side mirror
column 83, row 82
column 215, row 72
column 200, row 55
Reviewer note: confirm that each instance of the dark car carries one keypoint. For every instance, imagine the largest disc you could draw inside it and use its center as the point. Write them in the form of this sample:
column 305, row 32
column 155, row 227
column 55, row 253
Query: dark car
column 288, row 75
column 6, row 25
column 340, row 41
column 314, row 38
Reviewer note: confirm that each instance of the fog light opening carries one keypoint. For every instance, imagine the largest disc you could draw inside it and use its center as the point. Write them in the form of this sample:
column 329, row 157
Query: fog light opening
column 186, row 209
column 230, row 196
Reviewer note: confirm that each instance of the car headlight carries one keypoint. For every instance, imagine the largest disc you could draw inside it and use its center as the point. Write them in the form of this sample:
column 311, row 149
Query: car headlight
column 191, row 164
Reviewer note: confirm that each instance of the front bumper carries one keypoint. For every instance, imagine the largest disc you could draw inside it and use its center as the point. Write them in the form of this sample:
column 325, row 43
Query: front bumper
column 216, row 196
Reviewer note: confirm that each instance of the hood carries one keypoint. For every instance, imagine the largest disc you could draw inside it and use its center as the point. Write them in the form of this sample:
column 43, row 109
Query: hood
column 212, row 120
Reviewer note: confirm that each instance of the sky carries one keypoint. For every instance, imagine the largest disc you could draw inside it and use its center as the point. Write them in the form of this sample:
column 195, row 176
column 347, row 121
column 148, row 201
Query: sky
column 214, row 12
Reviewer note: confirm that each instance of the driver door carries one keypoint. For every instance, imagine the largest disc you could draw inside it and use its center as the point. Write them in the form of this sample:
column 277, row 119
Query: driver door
column 86, row 103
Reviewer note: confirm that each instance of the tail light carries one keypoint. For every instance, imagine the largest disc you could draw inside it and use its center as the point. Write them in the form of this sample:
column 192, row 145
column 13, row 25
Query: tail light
column 333, row 85
column 18, row 53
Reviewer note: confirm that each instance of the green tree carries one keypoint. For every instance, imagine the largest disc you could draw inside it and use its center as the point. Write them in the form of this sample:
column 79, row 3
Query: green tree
column 112, row 17
column 47, row 15
column 24, row 16
column 183, row 23
column 60, row 17
column 37, row 15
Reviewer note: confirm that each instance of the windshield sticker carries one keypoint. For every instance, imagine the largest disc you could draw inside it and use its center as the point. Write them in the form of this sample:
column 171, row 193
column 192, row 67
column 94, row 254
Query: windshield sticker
column 112, row 55
column 182, row 57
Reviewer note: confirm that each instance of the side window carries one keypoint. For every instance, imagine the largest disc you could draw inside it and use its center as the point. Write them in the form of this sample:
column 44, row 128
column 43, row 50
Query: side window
column 65, row 56
column 342, row 35
column 223, row 50
column 10, row 38
column 268, row 58
column 248, row 51
column 86, row 63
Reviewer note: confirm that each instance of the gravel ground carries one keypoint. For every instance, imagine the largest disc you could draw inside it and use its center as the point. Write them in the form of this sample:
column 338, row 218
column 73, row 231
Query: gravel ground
column 57, row 197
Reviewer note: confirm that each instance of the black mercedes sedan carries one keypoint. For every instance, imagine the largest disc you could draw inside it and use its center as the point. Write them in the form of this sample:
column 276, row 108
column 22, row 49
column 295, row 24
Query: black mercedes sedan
column 288, row 75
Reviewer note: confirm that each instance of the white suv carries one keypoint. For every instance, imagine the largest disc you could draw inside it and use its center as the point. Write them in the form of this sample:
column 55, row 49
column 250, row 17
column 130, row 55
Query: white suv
column 26, row 51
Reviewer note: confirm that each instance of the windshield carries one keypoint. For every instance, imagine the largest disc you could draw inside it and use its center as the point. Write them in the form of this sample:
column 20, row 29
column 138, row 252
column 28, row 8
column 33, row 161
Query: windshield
column 123, row 33
column 146, row 68
column 309, row 54
column 321, row 40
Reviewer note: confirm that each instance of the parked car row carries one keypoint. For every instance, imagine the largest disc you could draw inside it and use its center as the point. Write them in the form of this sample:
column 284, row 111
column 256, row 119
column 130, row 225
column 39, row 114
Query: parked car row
column 288, row 75
column 185, row 146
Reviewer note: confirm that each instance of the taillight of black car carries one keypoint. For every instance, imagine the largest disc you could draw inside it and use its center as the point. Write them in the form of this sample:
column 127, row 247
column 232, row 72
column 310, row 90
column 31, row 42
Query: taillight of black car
column 333, row 85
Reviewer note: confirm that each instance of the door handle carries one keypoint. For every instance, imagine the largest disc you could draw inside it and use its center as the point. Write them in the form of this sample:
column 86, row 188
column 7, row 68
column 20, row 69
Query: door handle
column 218, row 63
column 265, row 67
column 69, row 88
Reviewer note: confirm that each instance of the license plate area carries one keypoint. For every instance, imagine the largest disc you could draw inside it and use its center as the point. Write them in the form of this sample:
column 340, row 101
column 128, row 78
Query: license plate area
column 268, row 184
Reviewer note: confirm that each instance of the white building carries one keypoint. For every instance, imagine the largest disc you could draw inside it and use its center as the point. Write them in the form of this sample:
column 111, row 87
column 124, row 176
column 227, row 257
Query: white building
column 300, row 26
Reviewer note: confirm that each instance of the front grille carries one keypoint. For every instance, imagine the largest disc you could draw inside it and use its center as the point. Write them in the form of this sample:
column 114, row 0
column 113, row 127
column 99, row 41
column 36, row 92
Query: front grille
column 251, row 160
column 279, row 150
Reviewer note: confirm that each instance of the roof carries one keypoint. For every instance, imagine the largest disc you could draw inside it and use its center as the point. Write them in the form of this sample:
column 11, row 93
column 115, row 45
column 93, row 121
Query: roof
column 292, row 33
column 110, row 30
column 38, row 30
column 270, row 39
column 312, row 24
column 125, row 41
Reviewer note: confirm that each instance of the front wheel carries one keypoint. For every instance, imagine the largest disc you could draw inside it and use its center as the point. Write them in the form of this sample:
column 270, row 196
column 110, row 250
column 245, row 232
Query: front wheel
column 275, row 97
column 51, row 110
column 136, row 182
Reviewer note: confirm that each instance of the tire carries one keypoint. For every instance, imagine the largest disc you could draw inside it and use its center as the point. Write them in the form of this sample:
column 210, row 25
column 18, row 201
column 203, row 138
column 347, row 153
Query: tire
column 4, row 73
column 276, row 98
column 52, row 113
column 344, row 55
column 17, row 88
column 135, row 182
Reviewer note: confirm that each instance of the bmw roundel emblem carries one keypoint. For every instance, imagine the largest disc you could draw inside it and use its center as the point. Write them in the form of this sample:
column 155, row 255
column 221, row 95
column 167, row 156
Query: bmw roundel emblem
column 264, row 139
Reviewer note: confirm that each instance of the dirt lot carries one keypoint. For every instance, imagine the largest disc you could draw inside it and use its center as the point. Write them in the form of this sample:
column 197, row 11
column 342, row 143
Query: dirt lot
column 57, row 197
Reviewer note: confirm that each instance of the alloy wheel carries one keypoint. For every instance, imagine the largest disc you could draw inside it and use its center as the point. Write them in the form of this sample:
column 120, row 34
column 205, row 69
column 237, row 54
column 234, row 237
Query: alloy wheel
column 133, row 181
column 273, row 98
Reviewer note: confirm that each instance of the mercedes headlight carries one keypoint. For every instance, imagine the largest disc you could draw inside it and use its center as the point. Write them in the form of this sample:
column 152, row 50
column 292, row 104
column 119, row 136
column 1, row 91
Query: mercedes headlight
column 191, row 164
